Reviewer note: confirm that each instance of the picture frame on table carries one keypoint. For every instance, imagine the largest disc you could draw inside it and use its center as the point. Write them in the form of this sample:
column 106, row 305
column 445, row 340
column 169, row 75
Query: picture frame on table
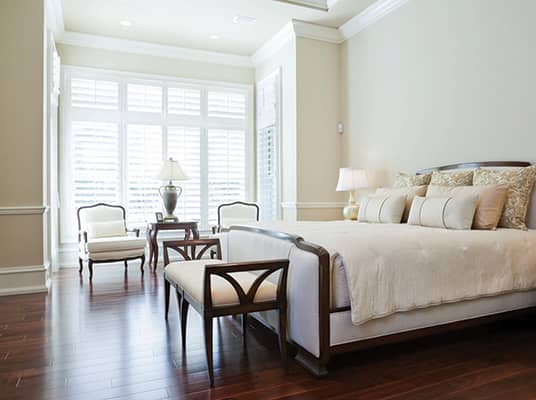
column 159, row 217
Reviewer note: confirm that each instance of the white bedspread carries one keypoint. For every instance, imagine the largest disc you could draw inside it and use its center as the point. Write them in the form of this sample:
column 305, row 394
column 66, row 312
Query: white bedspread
column 394, row 268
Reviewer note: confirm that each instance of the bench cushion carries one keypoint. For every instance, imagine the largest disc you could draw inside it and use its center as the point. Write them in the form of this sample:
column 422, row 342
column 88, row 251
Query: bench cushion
column 190, row 275
column 118, row 243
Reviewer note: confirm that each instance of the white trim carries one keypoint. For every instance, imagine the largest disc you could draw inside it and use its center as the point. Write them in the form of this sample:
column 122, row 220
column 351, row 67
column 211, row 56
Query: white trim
column 37, row 270
column 321, row 5
column 54, row 16
column 317, row 32
column 273, row 45
column 370, row 15
column 312, row 204
column 151, row 49
column 24, row 210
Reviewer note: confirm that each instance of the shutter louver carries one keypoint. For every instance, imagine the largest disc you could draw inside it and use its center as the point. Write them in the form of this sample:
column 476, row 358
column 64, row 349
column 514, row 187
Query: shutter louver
column 94, row 94
column 184, row 101
column 144, row 157
column 226, row 105
column 184, row 145
column 96, row 167
column 226, row 169
column 144, row 98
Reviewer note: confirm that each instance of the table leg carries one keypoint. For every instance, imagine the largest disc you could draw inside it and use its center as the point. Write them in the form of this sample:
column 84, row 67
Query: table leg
column 155, row 244
column 195, row 231
column 150, row 243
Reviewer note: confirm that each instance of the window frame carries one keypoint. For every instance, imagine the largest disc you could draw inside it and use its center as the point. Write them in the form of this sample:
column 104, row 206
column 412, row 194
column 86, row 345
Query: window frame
column 123, row 118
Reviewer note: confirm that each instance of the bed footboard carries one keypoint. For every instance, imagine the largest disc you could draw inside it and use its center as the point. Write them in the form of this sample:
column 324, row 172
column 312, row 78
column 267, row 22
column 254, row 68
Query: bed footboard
column 307, row 287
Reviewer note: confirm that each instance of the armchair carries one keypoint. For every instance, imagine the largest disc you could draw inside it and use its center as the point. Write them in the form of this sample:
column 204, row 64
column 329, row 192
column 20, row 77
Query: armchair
column 103, row 237
column 235, row 213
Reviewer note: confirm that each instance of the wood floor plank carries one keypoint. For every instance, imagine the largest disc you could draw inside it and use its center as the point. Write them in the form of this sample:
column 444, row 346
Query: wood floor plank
column 109, row 340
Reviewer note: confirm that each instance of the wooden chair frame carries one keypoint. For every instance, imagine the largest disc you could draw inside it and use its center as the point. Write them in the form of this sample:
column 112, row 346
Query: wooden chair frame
column 217, row 228
column 82, row 238
column 246, row 299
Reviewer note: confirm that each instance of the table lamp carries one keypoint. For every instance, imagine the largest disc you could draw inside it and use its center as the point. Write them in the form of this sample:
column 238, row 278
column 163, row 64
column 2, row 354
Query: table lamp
column 351, row 179
column 171, row 171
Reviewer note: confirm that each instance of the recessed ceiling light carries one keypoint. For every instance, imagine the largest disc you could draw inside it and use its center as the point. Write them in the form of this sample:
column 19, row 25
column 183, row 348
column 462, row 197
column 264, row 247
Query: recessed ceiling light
column 214, row 37
column 125, row 22
column 244, row 20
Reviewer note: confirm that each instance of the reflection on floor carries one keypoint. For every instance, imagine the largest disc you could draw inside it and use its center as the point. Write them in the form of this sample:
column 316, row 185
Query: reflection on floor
column 109, row 340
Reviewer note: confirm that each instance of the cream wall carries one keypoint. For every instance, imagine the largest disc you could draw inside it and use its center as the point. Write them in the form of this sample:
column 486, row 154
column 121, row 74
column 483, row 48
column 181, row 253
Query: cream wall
column 438, row 82
column 105, row 59
column 22, row 111
column 318, row 112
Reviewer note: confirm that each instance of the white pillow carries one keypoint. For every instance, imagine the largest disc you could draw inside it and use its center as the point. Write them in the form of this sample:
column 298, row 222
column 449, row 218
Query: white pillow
column 443, row 212
column 106, row 229
column 382, row 209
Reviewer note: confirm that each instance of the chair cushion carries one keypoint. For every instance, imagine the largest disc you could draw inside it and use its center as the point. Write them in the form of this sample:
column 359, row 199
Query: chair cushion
column 115, row 244
column 190, row 275
column 114, row 255
column 106, row 229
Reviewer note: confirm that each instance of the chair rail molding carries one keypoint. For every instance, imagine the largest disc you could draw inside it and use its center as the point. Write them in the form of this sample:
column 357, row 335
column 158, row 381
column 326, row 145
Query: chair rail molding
column 24, row 279
column 23, row 210
column 313, row 204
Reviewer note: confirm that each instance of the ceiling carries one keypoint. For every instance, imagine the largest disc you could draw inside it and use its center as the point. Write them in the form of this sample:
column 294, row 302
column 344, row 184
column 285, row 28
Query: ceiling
column 191, row 23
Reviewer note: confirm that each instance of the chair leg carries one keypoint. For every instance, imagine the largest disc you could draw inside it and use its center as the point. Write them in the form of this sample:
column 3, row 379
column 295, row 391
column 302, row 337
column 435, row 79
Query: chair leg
column 81, row 263
column 142, row 262
column 208, row 348
column 167, row 290
column 283, row 336
column 184, row 320
column 90, row 266
column 126, row 264
column 244, row 326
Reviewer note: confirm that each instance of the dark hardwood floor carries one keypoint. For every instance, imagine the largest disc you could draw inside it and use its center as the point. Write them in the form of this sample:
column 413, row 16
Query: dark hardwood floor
column 109, row 340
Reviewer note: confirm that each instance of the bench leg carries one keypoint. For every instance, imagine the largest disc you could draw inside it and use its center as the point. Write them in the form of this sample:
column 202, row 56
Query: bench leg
column 184, row 320
column 167, row 291
column 283, row 336
column 244, row 326
column 208, row 348
column 90, row 267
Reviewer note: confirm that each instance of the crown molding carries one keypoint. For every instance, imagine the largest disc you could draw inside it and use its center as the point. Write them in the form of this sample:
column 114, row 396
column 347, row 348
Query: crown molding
column 24, row 210
column 54, row 16
column 151, row 49
column 371, row 14
column 291, row 30
column 321, row 5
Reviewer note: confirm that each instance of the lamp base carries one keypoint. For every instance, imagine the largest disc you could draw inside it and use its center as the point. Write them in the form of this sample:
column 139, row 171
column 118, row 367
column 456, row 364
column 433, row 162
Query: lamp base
column 350, row 211
column 171, row 218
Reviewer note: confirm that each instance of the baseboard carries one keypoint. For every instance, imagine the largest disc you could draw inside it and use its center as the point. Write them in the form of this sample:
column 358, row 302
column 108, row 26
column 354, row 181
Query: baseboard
column 23, row 280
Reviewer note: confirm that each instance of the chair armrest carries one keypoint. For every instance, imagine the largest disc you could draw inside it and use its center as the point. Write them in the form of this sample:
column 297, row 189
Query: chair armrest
column 215, row 229
column 198, row 248
column 134, row 230
column 82, row 236
column 268, row 266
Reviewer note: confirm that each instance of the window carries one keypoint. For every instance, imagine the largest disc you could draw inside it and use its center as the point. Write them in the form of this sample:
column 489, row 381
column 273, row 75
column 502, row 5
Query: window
column 119, row 127
column 268, row 175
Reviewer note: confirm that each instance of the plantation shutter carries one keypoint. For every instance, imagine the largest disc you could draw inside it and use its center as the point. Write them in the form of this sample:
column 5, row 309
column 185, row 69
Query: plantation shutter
column 94, row 94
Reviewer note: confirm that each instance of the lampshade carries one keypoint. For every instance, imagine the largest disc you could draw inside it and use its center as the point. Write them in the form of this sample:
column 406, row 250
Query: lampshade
column 351, row 179
column 171, row 171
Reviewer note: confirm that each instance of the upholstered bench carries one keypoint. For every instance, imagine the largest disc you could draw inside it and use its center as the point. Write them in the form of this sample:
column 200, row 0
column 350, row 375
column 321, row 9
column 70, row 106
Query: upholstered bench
column 215, row 288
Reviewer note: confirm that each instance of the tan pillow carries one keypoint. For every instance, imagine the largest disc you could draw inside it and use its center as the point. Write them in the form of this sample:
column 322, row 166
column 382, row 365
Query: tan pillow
column 443, row 212
column 410, row 192
column 382, row 209
column 459, row 178
column 520, row 182
column 405, row 180
column 491, row 199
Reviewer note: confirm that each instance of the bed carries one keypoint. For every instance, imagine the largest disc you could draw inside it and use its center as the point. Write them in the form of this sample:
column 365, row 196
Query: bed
column 331, row 311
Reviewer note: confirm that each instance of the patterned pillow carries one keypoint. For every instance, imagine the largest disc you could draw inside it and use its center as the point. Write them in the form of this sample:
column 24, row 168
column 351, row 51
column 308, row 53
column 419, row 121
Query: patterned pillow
column 460, row 178
column 405, row 180
column 520, row 182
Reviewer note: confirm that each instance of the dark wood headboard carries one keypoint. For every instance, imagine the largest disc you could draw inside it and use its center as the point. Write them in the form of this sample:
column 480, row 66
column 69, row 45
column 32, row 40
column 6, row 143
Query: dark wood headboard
column 476, row 164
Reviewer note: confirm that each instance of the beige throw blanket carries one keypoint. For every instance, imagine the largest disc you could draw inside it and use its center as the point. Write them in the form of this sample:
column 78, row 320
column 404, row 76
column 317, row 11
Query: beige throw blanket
column 392, row 268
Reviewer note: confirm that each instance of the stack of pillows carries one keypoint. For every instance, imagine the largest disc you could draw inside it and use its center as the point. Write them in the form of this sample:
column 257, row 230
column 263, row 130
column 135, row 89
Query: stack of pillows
column 468, row 199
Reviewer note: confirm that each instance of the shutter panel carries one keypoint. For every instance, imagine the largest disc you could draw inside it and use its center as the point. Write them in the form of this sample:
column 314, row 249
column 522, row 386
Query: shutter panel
column 144, row 157
column 184, row 145
column 184, row 101
column 94, row 94
column 226, row 169
column 226, row 105
column 94, row 149
column 144, row 98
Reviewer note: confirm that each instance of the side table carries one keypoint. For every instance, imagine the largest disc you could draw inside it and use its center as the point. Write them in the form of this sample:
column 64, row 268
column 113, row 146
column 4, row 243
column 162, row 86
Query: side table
column 190, row 232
